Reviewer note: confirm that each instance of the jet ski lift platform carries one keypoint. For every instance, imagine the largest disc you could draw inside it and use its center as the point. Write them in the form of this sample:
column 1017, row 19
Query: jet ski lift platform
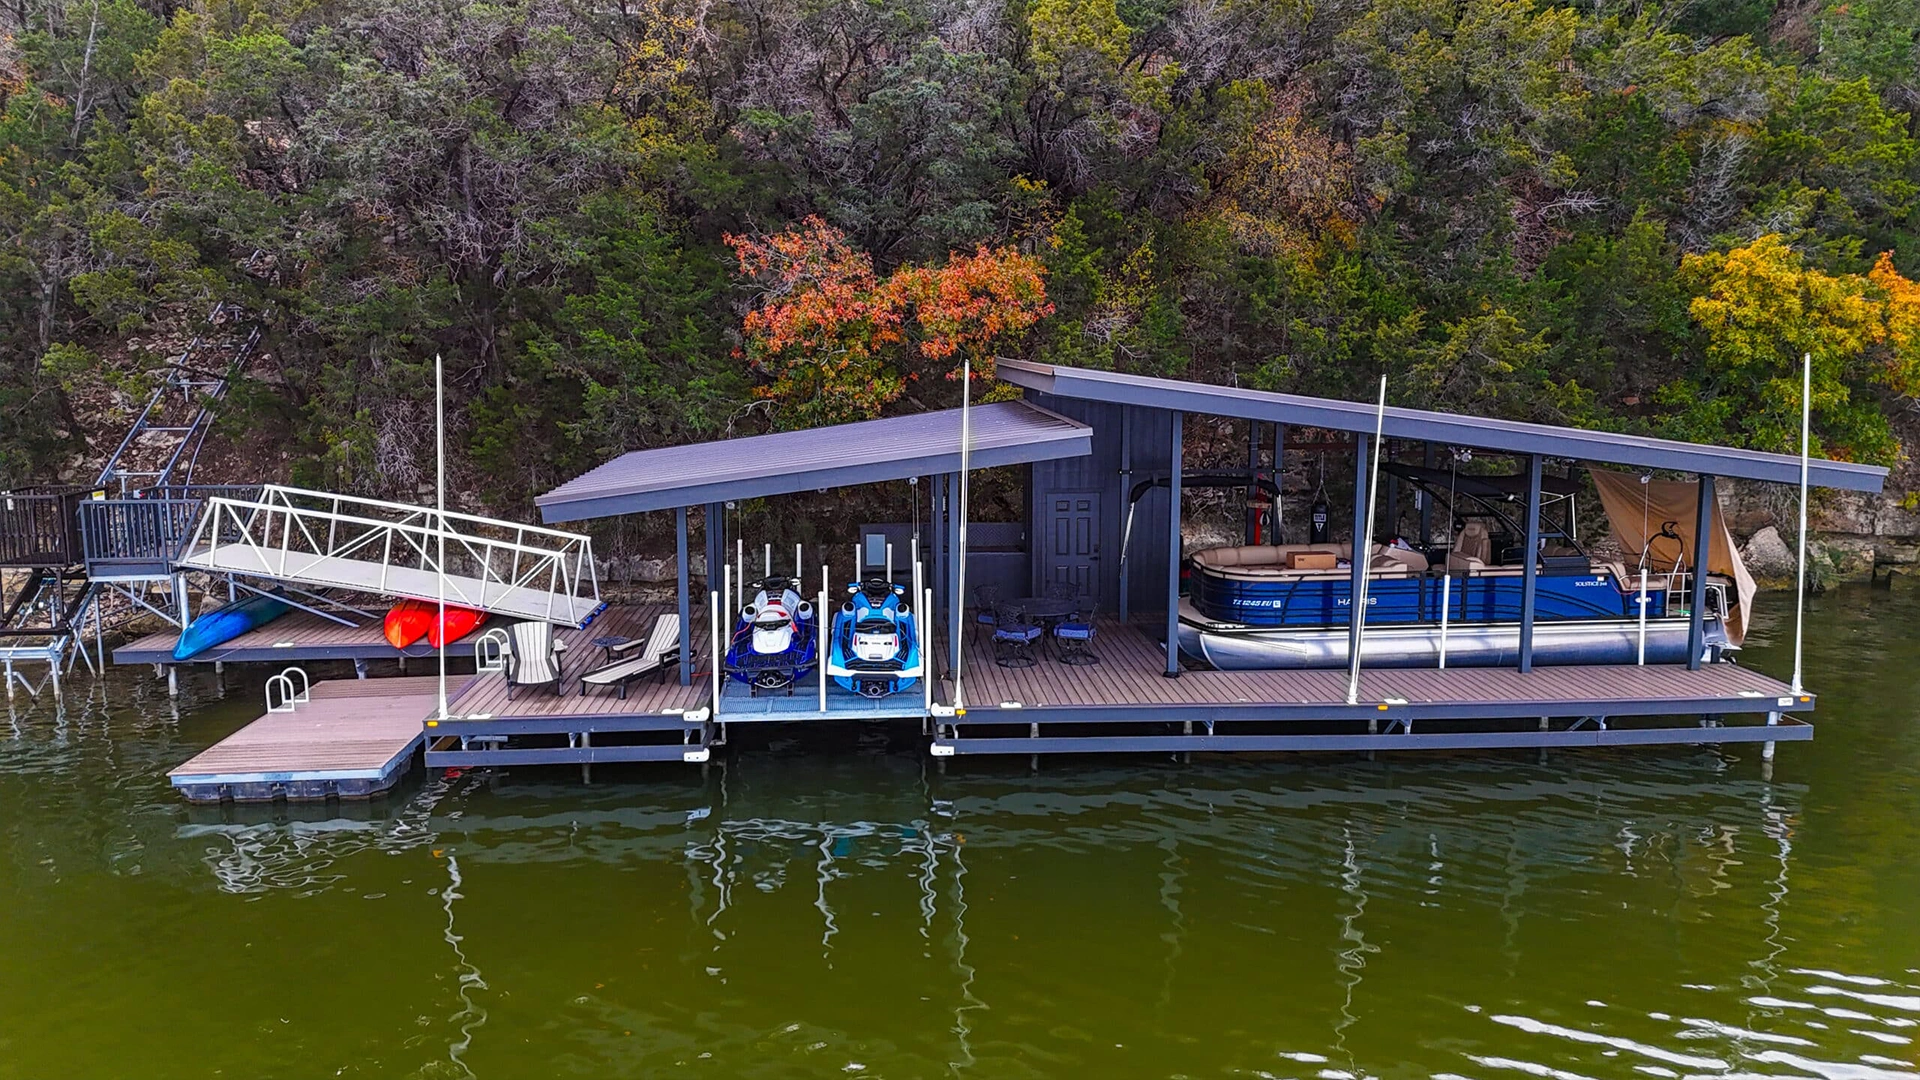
column 325, row 540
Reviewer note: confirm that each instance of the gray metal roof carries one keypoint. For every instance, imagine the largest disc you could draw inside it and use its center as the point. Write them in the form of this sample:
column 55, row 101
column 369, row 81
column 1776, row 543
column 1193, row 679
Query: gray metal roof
column 1452, row 429
column 922, row 444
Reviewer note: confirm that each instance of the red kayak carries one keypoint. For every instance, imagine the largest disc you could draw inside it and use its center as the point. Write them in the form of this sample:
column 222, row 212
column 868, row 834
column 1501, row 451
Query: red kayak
column 411, row 620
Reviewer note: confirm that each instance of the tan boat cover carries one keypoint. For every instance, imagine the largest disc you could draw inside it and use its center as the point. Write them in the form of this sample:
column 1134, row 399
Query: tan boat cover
column 1637, row 511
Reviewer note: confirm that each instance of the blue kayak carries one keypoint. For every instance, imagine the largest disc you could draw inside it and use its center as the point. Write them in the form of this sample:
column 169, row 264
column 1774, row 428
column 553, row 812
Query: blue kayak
column 223, row 624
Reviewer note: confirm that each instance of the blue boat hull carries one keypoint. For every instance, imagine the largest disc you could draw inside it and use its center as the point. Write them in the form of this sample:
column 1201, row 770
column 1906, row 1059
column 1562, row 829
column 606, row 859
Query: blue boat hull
column 1295, row 602
column 223, row 624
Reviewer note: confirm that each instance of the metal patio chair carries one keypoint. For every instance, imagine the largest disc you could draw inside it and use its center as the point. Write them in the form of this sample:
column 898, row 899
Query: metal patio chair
column 1014, row 638
column 1074, row 638
column 986, row 615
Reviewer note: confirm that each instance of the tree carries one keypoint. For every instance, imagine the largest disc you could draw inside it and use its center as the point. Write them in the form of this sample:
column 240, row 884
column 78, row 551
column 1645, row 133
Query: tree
column 1761, row 308
column 834, row 342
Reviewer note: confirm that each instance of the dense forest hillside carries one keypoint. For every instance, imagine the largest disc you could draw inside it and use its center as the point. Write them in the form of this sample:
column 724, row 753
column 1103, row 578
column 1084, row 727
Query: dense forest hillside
column 632, row 222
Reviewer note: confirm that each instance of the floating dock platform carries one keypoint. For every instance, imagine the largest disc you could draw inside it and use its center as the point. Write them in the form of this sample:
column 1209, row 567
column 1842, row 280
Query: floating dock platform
column 1126, row 702
column 349, row 739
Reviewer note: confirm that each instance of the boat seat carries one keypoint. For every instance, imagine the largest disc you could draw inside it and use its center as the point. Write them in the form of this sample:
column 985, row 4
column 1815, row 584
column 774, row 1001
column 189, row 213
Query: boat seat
column 1474, row 543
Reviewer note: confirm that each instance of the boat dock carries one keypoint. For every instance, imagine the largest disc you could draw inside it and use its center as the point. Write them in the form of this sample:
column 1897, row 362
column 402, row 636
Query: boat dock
column 659, row 719
column 1125, row 702
column 347, row 739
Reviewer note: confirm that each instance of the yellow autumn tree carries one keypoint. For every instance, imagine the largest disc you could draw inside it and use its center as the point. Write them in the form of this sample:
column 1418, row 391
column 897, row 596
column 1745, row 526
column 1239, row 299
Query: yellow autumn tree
column 1760, row 309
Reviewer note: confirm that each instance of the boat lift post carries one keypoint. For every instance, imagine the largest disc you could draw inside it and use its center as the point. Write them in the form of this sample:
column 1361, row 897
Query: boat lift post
column 1446, row 610
column 1800, row 572
column 713, row 633
column 1362, row 553
column 1357, row 556
column 820, row 648
column 1530, row 568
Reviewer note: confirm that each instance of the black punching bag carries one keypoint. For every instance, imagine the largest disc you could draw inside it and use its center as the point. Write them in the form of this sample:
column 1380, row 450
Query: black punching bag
column 1317, row 528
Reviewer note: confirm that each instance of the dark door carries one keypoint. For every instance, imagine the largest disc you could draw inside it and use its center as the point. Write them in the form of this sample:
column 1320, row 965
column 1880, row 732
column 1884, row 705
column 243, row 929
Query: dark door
column 1073, row 541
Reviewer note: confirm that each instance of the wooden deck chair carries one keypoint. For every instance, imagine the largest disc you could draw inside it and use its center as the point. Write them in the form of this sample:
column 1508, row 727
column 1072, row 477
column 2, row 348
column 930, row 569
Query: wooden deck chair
column 660, row 651
column 533, row 656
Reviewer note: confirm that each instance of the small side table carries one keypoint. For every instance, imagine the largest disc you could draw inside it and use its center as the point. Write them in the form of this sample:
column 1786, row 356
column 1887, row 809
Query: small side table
column 607, row 644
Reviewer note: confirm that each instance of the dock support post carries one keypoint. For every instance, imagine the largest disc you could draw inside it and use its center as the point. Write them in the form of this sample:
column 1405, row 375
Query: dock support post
column 1279, row 484
column 1391, row 503
column 1126, row 496
column 359, row 669
column 1173, row 547
column 1362, row 549
column 682, row 585
column 937, row 536
column 1426, row 504
column 1530, row 569
column 716, row 546
column 1697, row 604
column 1253, row 480
column 1766, row 749
column 173, row 680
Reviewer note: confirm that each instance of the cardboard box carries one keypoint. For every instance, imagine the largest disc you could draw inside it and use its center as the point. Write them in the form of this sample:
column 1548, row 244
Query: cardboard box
column 1312, row 560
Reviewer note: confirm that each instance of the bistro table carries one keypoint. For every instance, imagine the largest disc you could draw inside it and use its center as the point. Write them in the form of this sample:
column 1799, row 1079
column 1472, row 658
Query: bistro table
column 609, row 644
column 1043, row 608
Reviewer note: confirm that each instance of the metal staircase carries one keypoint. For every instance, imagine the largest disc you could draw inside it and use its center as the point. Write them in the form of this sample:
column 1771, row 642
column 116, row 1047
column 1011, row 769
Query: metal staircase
column 106, row 553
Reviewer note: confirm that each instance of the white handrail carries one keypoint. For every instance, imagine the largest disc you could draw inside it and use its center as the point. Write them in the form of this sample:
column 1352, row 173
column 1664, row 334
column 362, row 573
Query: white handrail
column 490, row 650
column 476, row 562
column 287, row 699
column 306, row 685
column 283, row 489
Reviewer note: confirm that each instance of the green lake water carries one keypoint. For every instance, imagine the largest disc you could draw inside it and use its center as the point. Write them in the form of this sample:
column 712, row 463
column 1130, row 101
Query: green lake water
column 838, row 906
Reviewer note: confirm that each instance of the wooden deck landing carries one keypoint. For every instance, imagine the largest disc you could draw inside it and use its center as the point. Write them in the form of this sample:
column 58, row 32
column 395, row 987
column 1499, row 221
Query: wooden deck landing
column 486, row 694
column 352, row 739
column 1130, row 678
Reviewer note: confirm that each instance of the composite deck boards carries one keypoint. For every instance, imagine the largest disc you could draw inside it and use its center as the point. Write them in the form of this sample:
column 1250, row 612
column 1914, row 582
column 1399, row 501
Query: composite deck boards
column 348, row 730
column 648, row 696
column 1130, row 674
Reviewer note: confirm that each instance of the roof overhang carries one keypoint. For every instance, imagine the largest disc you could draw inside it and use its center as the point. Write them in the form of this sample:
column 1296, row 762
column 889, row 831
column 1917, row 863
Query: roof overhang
column 1452, row 429
column 869, row 452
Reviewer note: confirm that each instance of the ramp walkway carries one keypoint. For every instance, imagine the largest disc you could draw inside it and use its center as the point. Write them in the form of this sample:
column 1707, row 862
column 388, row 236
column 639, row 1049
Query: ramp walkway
column 323, row 540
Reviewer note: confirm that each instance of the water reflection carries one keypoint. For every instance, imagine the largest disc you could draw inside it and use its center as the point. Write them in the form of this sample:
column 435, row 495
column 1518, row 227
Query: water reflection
column 806, row 910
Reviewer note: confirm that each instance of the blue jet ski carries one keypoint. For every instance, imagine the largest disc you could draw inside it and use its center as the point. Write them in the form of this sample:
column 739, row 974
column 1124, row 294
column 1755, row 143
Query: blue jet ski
column 229, row 621
column 875, row 649
column 775, row 643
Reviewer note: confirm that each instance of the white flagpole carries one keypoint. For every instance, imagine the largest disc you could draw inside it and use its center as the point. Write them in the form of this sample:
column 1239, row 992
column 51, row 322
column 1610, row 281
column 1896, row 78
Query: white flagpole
column 1364, row 558
column 440, row 504
column 1800, row 590
column 960, row 581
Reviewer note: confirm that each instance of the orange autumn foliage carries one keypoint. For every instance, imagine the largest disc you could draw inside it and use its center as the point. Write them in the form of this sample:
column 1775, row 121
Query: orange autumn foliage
column 835, row 342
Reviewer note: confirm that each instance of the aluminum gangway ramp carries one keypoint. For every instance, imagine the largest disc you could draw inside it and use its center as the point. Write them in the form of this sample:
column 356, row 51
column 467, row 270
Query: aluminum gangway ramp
column 319, row 539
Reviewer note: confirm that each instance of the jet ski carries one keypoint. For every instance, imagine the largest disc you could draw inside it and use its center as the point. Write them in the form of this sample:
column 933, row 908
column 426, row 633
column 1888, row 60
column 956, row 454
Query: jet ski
column 775, row 642
column 875, row 650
